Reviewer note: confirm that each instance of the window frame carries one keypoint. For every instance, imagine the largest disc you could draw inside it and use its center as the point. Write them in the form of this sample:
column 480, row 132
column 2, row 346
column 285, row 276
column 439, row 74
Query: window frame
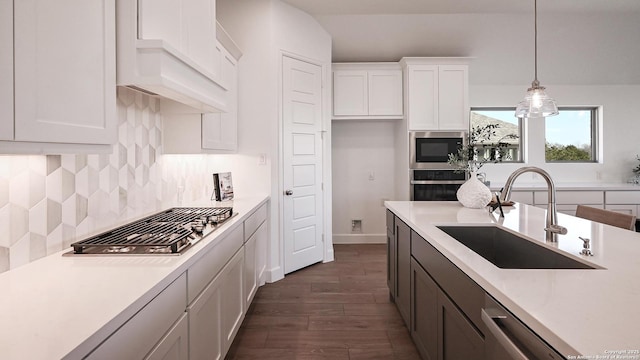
column 521, row 125
column 593, row 110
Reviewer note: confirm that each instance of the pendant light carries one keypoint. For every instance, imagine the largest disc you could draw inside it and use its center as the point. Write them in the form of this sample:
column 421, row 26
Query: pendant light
column 536, row 103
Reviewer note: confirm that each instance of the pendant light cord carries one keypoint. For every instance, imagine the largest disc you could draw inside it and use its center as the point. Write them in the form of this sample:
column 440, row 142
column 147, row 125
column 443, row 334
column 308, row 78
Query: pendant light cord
column 535, row 41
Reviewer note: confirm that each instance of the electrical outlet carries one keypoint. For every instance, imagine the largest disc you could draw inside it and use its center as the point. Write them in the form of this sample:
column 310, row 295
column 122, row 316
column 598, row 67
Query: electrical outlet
column 262, row 159
column 356, row 225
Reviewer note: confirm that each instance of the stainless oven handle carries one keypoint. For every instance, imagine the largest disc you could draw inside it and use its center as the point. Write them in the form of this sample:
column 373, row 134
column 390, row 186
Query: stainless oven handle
column 437, row 182
column 502, row 338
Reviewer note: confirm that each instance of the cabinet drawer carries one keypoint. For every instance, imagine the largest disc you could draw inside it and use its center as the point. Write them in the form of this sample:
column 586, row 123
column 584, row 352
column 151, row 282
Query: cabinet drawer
column 457, row 285
column 622, row 197
column 254, row 220
column 203, row 271
column 139, row 335
column 571, row 197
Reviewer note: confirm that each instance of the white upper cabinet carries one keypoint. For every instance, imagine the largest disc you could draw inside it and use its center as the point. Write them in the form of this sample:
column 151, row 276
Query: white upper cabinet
column 437, row 93
column 218, row 132
column 367, row 91
column 168, row 48
column 64, row 71
column 6, row 70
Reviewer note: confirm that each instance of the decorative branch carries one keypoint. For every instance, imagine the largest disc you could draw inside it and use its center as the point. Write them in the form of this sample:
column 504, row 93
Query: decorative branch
column 468, row 159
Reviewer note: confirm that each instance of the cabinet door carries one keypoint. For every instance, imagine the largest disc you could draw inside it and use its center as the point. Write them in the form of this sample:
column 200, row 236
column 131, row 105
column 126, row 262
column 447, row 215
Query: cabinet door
column 424, row 312
column 205, row 323
column 175, row 345
column 453, row 97
column 350, row 93
column 250, row 280
column 65, row 71
column 403, row 271
column 199, row 37
column 262, row 237
column 6, row 70
column 422, row 97
column 220, row 130
column 385, row 92
column 391, row 264
column 232, row 300
column 458, row 338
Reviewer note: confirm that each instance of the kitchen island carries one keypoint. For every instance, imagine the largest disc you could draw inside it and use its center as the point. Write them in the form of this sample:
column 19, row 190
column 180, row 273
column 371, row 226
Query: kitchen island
column 64, row 307
column 579, row 312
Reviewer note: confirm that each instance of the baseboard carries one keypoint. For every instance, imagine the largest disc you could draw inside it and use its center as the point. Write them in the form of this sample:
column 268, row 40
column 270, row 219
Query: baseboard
column 359, row 238
column 274, row 274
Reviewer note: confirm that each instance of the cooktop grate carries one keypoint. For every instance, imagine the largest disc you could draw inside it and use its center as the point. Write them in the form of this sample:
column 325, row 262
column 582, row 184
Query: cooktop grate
column 169, row 231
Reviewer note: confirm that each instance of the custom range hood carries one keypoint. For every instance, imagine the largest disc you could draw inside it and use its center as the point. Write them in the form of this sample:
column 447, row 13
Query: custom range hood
column 176, row 52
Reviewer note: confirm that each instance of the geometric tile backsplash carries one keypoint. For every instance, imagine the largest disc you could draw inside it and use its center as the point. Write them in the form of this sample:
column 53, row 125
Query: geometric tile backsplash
column 49, row 201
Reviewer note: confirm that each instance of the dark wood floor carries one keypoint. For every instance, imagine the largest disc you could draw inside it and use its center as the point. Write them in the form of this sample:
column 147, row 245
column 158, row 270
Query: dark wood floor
column 337, row 310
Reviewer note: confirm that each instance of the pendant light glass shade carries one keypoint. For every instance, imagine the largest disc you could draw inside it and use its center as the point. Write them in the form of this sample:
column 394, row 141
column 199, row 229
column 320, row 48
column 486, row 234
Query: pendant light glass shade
column 536, row 103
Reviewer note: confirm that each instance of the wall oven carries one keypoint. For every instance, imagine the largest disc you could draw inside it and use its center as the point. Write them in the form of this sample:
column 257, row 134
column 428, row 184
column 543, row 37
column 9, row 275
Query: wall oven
column 435, row 185
column 432, row 178
column 431, row 149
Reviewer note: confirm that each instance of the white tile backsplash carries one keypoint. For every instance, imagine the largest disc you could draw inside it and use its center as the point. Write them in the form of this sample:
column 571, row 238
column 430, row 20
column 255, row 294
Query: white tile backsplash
column 48, row 202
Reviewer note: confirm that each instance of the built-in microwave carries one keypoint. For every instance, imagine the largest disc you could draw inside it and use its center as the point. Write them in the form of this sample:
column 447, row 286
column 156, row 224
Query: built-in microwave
column 431, row 149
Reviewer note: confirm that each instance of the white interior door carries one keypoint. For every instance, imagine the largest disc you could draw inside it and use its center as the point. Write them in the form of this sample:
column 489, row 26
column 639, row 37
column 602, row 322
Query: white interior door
column 302, row 163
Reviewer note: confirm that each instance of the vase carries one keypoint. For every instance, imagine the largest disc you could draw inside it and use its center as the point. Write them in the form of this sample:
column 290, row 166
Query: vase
column 473, row 193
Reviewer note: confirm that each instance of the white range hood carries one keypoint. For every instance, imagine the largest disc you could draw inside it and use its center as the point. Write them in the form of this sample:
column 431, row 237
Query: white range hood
column 180, row 59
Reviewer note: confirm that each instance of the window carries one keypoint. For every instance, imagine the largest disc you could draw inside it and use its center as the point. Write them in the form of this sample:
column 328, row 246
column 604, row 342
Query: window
column 509, row 131
column 571, row 135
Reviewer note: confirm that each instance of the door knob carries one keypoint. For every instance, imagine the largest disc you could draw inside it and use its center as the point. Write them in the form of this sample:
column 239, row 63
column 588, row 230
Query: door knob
column 288, row 192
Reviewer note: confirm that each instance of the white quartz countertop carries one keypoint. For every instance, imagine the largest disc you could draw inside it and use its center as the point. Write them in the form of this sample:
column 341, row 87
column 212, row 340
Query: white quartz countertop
column 567, row 186
column 578, row 312
column 63, row 307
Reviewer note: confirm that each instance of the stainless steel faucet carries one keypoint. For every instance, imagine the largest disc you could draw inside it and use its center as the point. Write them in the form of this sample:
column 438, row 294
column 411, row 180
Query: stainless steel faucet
column 552, row 228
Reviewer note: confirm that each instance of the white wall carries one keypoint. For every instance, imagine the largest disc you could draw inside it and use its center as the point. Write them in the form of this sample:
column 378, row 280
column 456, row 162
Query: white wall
column 584, row 59
column 264, row 29
column 573, row 48
column 618, row 126
column 361, row 149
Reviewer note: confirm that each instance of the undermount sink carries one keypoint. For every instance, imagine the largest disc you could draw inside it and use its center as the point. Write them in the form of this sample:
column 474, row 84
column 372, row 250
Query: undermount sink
column 509, row 251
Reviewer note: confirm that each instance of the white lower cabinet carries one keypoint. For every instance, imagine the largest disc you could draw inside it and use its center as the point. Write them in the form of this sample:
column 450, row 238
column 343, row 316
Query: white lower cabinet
column 205, row 323
column 250, row 282
column 175, row 345
column 568, row 200
column 216, row 315
column 215, row 291
column 623, row 208
column 262, row 236
column 144, row 331
column 232, row 304
column 623, row 201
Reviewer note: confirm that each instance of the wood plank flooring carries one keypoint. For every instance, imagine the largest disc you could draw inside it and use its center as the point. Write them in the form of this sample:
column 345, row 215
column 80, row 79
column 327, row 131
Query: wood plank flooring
column 338, row 310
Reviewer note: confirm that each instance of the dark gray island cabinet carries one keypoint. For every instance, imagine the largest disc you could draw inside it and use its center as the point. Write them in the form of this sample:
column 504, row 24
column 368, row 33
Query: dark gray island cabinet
column 444, row 306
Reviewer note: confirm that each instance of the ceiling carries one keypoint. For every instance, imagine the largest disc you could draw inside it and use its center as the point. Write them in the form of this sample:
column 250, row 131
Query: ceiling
column 580, row 42
column 343, row 7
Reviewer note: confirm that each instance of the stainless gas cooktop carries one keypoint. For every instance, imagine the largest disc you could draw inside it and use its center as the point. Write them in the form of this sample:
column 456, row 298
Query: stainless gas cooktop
column 169, row 232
